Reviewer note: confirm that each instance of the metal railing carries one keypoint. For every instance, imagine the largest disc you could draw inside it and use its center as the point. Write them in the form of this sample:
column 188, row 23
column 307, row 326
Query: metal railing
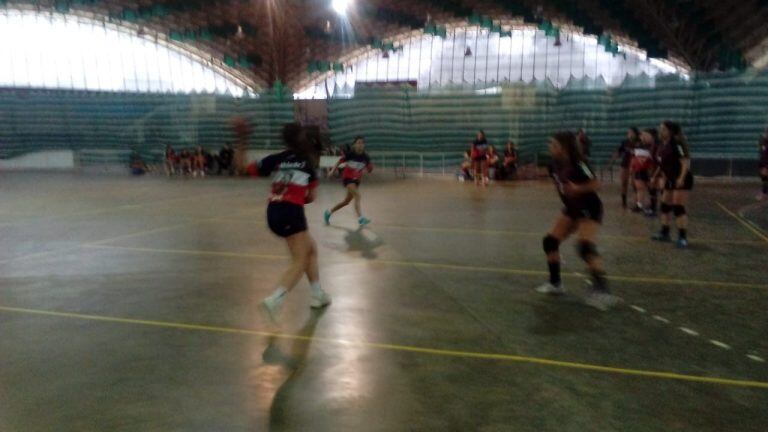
column 419, row 164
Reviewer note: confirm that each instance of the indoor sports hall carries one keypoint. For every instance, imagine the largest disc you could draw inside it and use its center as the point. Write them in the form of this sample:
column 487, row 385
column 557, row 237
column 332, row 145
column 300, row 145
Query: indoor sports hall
column 383, row 215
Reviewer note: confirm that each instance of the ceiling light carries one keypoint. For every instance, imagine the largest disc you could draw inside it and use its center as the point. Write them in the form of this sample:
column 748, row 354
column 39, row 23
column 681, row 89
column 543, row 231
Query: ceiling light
column 340, row 6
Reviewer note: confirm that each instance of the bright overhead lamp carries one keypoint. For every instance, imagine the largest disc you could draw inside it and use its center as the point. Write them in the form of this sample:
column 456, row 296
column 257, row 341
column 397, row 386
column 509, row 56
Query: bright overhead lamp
column 340, row 6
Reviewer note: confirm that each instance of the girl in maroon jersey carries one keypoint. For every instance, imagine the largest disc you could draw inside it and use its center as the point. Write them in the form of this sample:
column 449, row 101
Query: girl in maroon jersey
column 624, row 154
column 479, row 150
column 763, row 165
column 674, row 167
column 582, row 214
column 356, row 162
column 294, row 185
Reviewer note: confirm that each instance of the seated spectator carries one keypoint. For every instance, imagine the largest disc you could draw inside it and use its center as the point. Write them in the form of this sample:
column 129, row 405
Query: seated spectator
column 198, row 163
column 171, row 161
column 493, row 162
column 185, row 162
column 226, row 154
column 466, row 167
column 510, row 161
column 138, row 167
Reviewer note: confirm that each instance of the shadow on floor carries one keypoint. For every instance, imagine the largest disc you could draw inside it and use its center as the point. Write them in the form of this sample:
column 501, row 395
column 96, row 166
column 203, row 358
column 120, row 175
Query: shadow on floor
column 565, row 314
column 294, row 362
column 361, row 240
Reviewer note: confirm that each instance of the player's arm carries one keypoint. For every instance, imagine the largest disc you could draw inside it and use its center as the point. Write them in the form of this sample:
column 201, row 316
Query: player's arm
column 335, row 168
column 268, row 164
column 685, row 163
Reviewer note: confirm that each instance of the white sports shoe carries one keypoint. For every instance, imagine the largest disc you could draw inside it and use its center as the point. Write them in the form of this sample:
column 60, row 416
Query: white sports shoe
column 550, row 289
column 602, row 301
column 321, row 300
column 271, row 308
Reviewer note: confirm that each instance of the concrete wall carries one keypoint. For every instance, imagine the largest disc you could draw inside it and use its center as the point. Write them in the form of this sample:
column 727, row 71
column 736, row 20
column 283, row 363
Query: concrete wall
column 45, row 160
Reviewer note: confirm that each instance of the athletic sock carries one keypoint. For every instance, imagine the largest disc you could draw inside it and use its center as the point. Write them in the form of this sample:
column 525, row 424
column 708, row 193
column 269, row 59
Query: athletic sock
column 665, row 230
column 765, row 184
column 554, row 273
column 683, row 233
column 278, row 295
column 315, row 288
column 624, row 200
column 599, row 282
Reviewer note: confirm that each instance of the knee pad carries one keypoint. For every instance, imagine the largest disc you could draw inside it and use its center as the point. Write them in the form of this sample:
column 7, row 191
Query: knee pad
column 764, row 178
column 551, row 244
column 587, row 250
column 666, row 208
column 679, row 210
column 654, row 192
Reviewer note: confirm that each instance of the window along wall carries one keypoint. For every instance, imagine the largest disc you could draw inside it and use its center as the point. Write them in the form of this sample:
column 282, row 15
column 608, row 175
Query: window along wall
column 55, row 50
column 470, row 56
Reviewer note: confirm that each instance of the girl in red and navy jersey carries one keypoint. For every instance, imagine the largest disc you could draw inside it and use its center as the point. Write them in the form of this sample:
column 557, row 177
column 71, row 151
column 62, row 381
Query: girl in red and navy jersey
column 641, row 167
column 356, row 162
column 763, row 165
column 650, row 138
column 294, row 184
column 582, row 214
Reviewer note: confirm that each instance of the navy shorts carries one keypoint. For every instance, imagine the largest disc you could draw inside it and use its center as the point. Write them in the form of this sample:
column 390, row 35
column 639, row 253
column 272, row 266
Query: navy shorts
column 642, row 176
column 348, row 182
column 671, row 184
column 591, row 210
column 286, row 219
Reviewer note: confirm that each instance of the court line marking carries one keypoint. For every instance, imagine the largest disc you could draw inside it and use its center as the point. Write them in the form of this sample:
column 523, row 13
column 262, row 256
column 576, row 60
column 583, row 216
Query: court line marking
column 689, row 331
column 417, row 264
column 530, row 234
column 744, row 223
column 44, row 219
column 404, row 348
column 189, row 252
column 694, row 333
column 498, row 232
column 717, row 343
column 95, row 243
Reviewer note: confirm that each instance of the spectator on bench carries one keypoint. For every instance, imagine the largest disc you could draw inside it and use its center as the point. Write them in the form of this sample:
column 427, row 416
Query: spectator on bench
column 493, row 163
column 138, row 167
column 185, row 162
column 171, row 161
column 510, row 161
column 466, row 167
column 226, row 154
column 199, row 162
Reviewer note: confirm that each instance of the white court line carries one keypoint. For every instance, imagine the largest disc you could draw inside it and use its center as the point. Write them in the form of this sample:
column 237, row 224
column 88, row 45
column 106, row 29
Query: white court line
column 689, row 331
column 719, row 344
column 661, row 318
column 755, row 358
column 637, row 308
